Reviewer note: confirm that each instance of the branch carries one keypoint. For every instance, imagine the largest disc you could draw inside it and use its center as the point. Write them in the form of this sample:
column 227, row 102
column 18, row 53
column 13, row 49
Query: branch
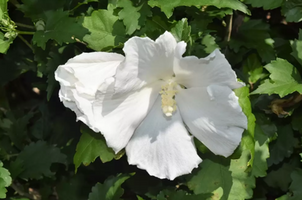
column 21, row 192
column 229, row 31
column 26, row 42
column 25, row 32
column 25, row 25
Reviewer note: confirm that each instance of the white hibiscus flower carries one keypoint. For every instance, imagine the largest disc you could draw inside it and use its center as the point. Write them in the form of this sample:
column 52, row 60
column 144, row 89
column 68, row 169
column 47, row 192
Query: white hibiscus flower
column 148, row 101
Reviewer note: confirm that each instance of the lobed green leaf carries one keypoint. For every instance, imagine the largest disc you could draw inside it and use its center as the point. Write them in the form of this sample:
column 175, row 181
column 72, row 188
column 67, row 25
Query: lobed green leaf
column 284, row 79
column 106, row 30
column 110, row 190
column 91, row 146
column 167, row 6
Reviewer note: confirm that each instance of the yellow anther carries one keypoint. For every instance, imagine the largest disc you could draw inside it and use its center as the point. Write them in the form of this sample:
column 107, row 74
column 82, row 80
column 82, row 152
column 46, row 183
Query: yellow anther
column 168, row 103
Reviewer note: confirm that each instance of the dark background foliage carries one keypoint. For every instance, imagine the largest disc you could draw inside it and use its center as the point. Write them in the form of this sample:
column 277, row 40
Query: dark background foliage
column 45, row 154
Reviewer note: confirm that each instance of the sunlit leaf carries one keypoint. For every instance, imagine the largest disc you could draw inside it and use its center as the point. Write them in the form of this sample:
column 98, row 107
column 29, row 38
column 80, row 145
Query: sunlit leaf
column 284, row 79
column 133, row 16
column 168, row 6
column 292, row 9
column 297, row 48
column 91, row 146
column 5, row 180
column 248, row 135
column 261, row 153
column 224, row 181
column 106, row 30
column 181, row 31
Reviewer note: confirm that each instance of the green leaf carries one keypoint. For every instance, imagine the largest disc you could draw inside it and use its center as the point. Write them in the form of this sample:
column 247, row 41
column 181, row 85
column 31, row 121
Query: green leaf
column 181, row 31
column 253, row 68
column 15, row 62
column 3, row 9
column 59, row 27
column 168, row 6
column 72, row 188
column 280, row 177
column 91, row 146
column 180, row 195
column 295, row 186
column 225, row 182
column 267, row 4
column 267, row 126
column 4, row 43
column 37, row 159
column 18, row 130
column 297, row 119
column 283, row 146
column 209, row 41
column 16, row 168
column 292, row 9
column 106, row 30
column 55, row 58
column 139, row 198
column 248, row 135
column 284, row 79
column 297, row 48
column 261, row 153
column 133, row 16
column 36, row 9
column 42, row 128
column 52, row 65
column 5, row 181
column 254, row 34
column 110, row 189
column 243, row 181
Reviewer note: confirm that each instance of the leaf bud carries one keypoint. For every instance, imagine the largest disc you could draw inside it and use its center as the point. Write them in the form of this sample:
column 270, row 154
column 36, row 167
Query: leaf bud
column 5, row 22
column 7, row 35
column 40, row 25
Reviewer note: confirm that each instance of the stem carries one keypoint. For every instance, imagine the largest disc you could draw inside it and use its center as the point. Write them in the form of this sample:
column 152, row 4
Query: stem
column 26, row 42
column 229, row 32
column 21, row 192
column 12, row 155
column 79, row 4
column 25, row 25
column 25, row 32
column 230, row 28
column 79, row 41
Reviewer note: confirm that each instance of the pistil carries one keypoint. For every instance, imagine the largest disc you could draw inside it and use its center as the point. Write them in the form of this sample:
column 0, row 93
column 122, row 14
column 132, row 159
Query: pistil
column 168, row 103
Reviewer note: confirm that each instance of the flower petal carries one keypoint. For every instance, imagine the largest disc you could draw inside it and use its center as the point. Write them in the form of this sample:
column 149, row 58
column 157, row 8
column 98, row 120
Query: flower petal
column 145, row 61
column 70, row 97
column 117, row 117
column 162, row 145
column 214, row 69
column 214, row 116
column 87, row 71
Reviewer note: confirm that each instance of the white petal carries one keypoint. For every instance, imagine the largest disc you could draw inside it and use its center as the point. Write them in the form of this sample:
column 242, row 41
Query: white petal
column 214, row 69
column 80, row 79
column 117, row 117
column 87, row 71
column 145, row 61
column 213, row 115
column 162, row 145
column 78, row 103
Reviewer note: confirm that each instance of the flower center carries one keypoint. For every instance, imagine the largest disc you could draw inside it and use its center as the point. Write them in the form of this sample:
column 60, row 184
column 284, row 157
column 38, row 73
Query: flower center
column 168, row 103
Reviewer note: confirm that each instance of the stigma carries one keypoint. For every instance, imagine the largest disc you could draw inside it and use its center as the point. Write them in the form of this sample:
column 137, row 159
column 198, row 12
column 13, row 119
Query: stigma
column 168, row 103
